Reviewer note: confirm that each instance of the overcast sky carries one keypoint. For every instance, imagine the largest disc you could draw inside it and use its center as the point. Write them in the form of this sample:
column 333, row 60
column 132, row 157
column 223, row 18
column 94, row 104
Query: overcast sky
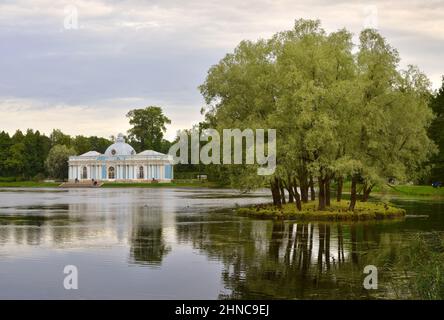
column 123, row 54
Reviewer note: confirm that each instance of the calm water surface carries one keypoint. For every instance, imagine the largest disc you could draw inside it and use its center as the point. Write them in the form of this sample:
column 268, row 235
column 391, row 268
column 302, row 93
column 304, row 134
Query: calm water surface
column 175, row 244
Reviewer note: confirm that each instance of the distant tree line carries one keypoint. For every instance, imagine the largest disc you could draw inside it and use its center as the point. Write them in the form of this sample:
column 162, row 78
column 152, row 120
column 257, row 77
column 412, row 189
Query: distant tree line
column 33, row 155
column 23, row 155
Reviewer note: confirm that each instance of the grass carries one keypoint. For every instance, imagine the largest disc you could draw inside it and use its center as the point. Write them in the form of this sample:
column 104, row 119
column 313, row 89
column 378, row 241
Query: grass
column 28, row 184
column 408, row 190
column 337, row 211
column 421, row 260
column 412, row 190
column 427, row 261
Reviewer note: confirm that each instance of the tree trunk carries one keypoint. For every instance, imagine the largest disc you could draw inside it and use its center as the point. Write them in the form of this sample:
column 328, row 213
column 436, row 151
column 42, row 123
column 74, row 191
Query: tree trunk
column 366, row 192
column 339, row 189
column 282, row 190
column 273, row 193
column 321, row 202
column 312, row 190
column 297, row 197
column 289, row 187
column 277, row 193
column 327, row 192
column 304, row 187
column 353, row 193
column 290, row 195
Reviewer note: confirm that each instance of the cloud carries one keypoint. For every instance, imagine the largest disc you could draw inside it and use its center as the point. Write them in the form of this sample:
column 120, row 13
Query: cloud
column 133, row 53
column 103, row 118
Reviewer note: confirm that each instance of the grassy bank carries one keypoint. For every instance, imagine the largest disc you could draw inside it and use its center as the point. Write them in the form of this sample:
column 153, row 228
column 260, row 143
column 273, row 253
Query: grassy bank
column 408, row 190
column 412, row 190
column 337, row 211
column 28, row 184
column 174, row 184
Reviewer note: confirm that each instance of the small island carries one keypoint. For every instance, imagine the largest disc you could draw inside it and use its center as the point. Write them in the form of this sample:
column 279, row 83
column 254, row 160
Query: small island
column 337, row 211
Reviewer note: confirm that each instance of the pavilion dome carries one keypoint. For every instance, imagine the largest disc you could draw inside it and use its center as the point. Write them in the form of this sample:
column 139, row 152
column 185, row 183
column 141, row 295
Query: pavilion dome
column 120, row 148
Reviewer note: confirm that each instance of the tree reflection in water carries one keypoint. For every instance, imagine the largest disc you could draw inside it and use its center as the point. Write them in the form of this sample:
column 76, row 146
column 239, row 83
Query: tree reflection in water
column 264, row 259
column 147, row 244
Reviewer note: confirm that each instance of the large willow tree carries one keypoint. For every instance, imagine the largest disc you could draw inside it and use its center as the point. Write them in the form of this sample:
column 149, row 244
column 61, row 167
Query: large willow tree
column 341, row 111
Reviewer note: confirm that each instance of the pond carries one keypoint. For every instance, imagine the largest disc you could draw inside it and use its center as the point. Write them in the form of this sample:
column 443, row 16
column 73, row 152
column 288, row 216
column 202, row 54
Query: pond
column 158, row 243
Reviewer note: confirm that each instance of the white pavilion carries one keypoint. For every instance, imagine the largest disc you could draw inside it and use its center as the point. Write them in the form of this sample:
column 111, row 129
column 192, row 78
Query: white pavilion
column 121, row 163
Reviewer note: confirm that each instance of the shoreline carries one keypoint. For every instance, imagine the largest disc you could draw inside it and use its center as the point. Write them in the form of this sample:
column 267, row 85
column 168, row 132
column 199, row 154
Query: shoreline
column 179, row 184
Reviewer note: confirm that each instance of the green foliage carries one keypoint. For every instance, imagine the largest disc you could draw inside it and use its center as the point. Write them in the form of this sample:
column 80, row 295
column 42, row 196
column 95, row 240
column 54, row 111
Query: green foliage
column 436, row 132
column 426, row 259
column 57, row 161
column 84, row 144
column 23, row 156
column 148, row 128
column 338, row 113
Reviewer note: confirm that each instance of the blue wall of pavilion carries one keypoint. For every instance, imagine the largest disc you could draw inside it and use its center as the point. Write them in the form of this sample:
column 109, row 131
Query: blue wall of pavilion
column 168, row 171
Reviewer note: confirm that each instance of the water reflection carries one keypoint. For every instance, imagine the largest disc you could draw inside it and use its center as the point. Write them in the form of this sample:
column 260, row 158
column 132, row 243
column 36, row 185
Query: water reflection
column 147, row 243
column 179, row 243
column 290, row 260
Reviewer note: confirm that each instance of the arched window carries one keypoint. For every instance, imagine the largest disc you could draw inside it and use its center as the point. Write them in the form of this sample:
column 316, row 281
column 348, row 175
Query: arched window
column 111, row 173
column 141, row 174
column 84, row 173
